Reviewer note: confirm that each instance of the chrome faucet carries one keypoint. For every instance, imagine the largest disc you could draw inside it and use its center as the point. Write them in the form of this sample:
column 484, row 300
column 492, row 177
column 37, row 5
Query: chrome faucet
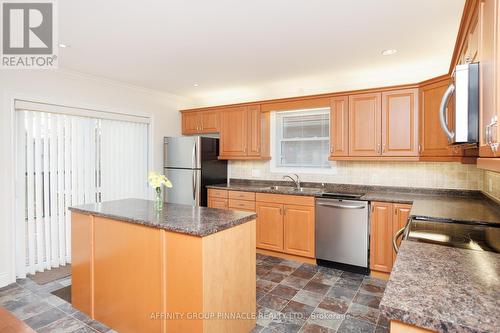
column 296, row 181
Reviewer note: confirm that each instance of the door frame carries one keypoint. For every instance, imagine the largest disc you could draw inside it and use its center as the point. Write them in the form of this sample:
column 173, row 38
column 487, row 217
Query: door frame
column 10, row 98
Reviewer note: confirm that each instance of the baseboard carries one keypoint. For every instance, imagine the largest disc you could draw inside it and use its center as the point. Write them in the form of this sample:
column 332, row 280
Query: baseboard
column 380, row 275
column 5, row 279
column 287, row 256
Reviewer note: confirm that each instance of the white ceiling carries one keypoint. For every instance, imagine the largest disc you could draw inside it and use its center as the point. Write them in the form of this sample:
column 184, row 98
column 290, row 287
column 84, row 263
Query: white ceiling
column 241, row 50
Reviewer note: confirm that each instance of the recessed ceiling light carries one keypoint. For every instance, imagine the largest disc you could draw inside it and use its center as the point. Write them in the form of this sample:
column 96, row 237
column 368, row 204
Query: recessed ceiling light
column 389, row 52
column 61, row 45
column 196, row 85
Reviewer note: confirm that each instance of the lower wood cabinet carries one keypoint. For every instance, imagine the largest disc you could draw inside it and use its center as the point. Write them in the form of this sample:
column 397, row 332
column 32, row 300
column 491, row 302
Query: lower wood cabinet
column 285, row 223
column 386, row 219
column 214, row 202
column 298, row 224
column 270, row 226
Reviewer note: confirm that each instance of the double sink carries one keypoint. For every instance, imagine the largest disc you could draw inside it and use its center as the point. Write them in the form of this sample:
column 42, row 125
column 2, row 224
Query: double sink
column 292, row 189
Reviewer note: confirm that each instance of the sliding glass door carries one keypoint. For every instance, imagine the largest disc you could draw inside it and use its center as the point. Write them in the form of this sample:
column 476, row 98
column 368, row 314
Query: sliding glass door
column 65, row 160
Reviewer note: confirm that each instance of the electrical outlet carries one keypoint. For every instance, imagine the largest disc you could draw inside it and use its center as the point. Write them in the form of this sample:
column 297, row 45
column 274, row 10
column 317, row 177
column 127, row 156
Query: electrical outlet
column 490, row 185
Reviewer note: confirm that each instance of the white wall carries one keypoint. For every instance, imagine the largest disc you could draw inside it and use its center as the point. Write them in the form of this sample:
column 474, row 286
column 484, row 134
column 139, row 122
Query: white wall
column 72, row 89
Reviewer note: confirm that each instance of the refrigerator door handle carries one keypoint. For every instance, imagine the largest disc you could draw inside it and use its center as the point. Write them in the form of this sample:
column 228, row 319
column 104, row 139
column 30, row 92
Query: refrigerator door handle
column 193, row 156
column 194, row 185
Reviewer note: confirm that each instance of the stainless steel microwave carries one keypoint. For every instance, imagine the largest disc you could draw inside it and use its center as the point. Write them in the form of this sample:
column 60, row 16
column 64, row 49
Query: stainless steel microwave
column 464, row 90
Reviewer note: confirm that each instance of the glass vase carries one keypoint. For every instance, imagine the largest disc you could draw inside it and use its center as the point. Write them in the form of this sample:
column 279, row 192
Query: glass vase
column 158, row 200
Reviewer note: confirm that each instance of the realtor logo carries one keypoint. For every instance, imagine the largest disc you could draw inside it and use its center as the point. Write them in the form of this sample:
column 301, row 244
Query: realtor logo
column 28, row 35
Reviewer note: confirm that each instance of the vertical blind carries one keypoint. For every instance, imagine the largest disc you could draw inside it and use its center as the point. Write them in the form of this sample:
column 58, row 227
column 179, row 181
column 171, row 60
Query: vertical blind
column 66, row 160
column 303, row 138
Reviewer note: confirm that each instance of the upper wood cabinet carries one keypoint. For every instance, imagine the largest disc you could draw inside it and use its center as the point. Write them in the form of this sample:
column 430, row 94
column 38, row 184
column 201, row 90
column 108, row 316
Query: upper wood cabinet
column 364, row 124
column 233, row 132
column 299, row 234
column 489, row 57
column 400, row 123
column 254, row 131
column 244, row 133
column 433, row 141
column 200, row 122
column 339, row 126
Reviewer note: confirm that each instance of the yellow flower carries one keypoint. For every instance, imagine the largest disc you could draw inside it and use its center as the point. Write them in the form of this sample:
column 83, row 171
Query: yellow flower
column 156, row 180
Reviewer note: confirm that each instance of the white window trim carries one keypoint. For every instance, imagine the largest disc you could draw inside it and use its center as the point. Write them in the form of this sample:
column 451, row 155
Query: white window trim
column 273, row 163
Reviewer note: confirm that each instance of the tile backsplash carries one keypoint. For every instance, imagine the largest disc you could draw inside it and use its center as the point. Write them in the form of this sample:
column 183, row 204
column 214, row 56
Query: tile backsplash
column 491, row 184
column 412, row 174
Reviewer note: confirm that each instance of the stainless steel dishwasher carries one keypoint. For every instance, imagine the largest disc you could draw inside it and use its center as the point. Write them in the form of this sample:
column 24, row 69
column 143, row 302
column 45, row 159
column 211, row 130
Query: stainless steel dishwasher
column 342, row 233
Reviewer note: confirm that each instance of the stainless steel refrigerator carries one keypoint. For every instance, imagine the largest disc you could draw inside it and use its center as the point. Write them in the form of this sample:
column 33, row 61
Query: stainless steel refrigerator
column 191, row 163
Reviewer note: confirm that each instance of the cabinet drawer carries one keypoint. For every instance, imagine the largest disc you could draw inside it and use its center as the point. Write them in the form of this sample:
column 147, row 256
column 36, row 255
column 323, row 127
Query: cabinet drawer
column 217, row 203
column 242, row 195
column 242, row 204
column 285, row 199
column 214, row 193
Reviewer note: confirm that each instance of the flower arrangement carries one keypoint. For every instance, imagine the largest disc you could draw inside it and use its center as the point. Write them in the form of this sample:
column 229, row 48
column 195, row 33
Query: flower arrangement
column 156, row 180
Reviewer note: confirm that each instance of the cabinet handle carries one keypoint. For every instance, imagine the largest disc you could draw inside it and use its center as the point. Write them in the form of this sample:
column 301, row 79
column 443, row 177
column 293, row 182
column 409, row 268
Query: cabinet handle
column 378, row 148
column 281, row 211
column 383, row 148
column 284, row 211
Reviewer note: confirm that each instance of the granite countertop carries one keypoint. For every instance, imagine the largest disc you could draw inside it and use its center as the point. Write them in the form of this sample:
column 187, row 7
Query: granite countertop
column 433, row 204
column 444, row 289
column 196, row 221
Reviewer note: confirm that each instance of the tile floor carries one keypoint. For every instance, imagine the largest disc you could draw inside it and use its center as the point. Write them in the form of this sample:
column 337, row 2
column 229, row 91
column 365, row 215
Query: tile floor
column 294, row 297
column 38, row 308
column 291, row 297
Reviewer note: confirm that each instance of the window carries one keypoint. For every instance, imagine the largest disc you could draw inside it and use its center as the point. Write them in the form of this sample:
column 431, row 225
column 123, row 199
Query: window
column 302, row 138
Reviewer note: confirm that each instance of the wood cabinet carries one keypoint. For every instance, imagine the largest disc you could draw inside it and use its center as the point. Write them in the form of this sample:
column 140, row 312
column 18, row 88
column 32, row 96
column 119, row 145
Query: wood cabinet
column 400, row 123
column 298, row 224
column 218, row 203
column 254, row 131
column 233, row 132
column 364, row 125
column 244, row 133
column 285, row 223
column 270, row 226
column 433, row 141
column 339, row 126
column 401, row 215
column 200, row 122
column 386, row 220
column 381, row 237
column 489, row 98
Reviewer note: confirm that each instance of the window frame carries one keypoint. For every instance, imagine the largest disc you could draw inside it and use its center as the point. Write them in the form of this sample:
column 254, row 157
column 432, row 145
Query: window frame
column 275, row 136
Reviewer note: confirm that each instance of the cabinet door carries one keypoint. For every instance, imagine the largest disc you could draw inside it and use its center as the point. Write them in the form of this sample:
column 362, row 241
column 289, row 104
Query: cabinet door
column 381, row 237
column 488, row 74
column 233, row 132
column 364, row 125
column 298, row 223
column 269, row 226
column 254, row 131
column 214, row 202
column 433, row 141
column 400, row 123
column 339, row 126
column 210, row 121
column 191, row 122
column 401, row 214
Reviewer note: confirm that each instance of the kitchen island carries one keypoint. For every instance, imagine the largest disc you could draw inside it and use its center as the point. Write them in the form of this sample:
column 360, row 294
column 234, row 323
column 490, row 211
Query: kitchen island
column 184, row 269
